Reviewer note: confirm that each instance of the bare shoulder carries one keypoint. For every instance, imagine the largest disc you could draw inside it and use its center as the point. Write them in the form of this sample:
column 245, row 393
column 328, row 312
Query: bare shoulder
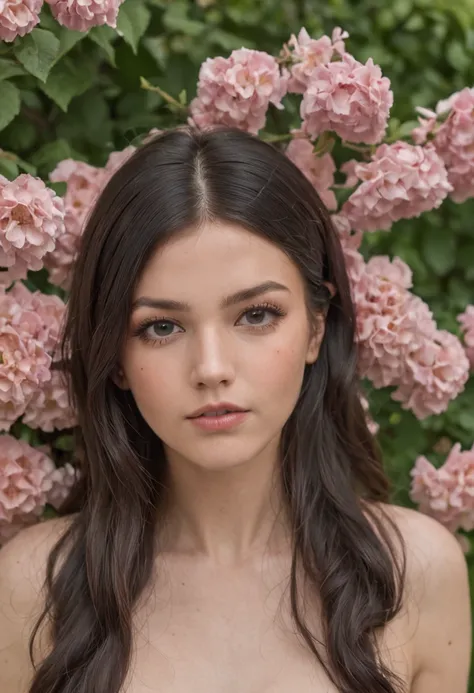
column 438, row 601
column 22, row 571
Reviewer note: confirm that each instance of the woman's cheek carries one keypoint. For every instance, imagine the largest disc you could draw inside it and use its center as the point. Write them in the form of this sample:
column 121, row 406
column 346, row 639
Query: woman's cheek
column 282, row 368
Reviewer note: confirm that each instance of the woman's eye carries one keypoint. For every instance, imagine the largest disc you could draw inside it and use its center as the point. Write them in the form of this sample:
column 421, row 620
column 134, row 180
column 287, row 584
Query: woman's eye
column 161, row 328
column 256, row 316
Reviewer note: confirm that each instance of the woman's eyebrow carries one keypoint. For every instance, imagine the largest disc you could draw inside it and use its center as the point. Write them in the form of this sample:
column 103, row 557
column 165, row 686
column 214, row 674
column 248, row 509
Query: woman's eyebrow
column 242, row 295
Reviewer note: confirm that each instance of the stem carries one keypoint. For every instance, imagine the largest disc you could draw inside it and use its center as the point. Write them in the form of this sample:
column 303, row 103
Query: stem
column 8, row 155
column 357, row 148
column 145, row 84
column 276, row 138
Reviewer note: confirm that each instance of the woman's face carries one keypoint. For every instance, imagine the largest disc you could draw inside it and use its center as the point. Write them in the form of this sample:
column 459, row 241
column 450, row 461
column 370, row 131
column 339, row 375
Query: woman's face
column 248, row 351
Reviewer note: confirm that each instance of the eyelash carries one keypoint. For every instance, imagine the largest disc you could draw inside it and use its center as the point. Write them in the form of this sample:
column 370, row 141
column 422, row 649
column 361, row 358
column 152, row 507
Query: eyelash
column 277, row 312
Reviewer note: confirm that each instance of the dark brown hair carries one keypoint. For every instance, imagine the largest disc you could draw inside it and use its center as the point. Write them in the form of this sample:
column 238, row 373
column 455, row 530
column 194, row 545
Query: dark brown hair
column 331, row 468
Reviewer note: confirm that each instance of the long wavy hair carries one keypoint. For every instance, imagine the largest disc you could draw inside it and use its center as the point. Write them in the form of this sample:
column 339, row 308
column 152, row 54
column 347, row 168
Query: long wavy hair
column 332, row 473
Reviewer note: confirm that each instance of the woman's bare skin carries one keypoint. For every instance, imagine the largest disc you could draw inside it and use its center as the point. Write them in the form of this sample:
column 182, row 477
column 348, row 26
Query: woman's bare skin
column 224, row 628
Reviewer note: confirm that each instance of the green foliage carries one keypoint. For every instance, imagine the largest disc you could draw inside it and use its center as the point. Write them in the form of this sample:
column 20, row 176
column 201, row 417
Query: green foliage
column 66, row 94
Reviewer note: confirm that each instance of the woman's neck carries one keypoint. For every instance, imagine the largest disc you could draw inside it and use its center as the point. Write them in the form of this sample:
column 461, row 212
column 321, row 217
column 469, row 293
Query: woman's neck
column 225, row 515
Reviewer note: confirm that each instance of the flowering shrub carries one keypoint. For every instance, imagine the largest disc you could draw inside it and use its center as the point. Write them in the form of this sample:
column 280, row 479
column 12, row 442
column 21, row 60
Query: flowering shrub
column 330, row 112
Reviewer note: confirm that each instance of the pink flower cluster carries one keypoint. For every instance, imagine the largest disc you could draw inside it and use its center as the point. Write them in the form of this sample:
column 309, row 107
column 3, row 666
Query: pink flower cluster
column 450, row 128
column 446, row 493
column 30, row 328
column 31, row 223
column 84, row 185
column 306, row 53
column 82, row 15
column 399, row 343
column 18, row 17
column 318, row 169
column 49, row 406
column 237, row 91
column 28, row 480
column 349, row 98
column 466, row 320
column 400, row 182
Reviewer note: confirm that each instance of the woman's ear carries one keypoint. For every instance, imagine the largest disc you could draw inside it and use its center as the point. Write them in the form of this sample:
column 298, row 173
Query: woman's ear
column 316, row 337
column 119, row 378
column 318, row 327
column 331, row 288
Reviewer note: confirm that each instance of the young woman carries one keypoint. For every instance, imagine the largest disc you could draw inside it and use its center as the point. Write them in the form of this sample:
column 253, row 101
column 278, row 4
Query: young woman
column 231, row 531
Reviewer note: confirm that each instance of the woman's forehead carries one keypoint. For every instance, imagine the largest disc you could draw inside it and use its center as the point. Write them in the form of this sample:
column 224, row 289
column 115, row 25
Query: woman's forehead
column 219, row 258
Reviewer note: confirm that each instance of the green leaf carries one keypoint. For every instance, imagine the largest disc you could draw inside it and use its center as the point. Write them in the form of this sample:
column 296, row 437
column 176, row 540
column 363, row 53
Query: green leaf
column 49, row 512
column 9, row 68
column 21, row 135
column 158, row 48
column 8, row 168
column 51, row 154
column 37, row 52
column 224, row 39
column 103, row 36
column 439, row 249
column 132, row 22
column 9, row 104
column 415, row 22
column 466, row 419
column 457, row 56
column 190, row 27
column 67, row 40
column 68, row 79
column 406, row 128
column 60, row 188
column 64, row 442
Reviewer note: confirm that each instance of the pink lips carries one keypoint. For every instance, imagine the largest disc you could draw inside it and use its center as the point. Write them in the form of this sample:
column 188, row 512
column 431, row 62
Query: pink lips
column 214, row 407
column 219, row 423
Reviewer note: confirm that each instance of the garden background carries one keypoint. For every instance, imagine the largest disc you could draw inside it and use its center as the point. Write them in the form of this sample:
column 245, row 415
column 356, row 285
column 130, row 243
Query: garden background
column 82, row 95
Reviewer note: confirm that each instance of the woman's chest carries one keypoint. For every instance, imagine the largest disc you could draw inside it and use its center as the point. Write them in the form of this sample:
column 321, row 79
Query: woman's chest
column 232, row 635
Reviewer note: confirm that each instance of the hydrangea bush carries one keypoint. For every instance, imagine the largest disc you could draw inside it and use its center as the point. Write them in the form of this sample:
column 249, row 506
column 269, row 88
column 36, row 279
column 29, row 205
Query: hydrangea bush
column 330, row 112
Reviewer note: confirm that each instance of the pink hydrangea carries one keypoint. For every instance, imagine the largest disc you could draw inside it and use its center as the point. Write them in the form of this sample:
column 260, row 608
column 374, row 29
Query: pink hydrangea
column 466, row 320
column 117, row 159
column 40, row 317
column 28, row 480
column 306, row 53
column 318, row 169
column 387, row 319
column 395, row 271
column 350, row 241
column 399, row 343
column 436, row 372
column 446, row 493
column 18, row 17
column 25, row 363
column 82, row 15
column 450, row 129
column 30, row 328
column 84, row 185
column 31, row 222
column 238, row 90
column 400, row 182
column 349, row 98
column 49, row 407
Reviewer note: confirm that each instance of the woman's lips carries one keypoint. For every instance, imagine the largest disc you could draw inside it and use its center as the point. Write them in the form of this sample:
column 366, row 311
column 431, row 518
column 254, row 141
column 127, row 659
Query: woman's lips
column 222, row 422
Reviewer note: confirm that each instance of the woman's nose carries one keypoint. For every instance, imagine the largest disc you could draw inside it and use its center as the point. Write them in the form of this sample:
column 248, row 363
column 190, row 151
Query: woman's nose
column 212, row 360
